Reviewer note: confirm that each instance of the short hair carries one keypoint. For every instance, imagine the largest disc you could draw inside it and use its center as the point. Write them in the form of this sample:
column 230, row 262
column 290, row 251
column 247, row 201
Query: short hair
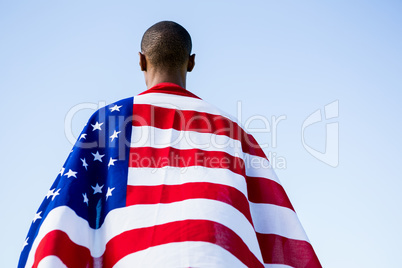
column 166, row 44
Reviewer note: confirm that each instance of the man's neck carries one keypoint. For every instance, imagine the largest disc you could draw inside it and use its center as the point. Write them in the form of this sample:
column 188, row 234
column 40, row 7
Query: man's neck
column 154, row 77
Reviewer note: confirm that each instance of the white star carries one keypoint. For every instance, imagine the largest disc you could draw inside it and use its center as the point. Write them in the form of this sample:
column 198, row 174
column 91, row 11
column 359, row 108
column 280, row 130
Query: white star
column 71, row 173
column 25, row 243
column 84, row 163
column 115, row 108
column 114, row 135
column 56, row 193
column 50, row 193
column 85, row 198
column 111, row 162
column 97, row 188
column 83, row 136
column 98, row 156
column 96, row 126
column 37, row 216
column 61, row 171
column 109, row 192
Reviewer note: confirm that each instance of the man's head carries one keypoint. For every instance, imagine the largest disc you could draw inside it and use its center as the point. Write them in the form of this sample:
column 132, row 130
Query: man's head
column 166, row 45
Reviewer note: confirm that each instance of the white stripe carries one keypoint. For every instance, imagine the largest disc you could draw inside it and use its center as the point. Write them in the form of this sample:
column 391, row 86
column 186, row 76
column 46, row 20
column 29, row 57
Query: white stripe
column 267, row 265
column 180, row 103
column 175, row 175
column 259, row 167
column 148, row 136
column 273, row 219
column 65, row 219
column 181, row 255
column 51, row 262
column 138, row 216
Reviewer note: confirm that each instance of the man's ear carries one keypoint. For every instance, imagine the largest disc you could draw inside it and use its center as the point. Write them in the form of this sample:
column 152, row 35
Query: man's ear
column 143, row 62
column 191, row 63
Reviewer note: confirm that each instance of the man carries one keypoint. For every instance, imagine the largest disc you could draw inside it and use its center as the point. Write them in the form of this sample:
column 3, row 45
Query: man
column 165, row 179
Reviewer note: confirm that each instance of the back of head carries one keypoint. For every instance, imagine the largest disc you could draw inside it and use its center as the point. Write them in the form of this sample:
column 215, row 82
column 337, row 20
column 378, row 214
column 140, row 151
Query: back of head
column 166, row 44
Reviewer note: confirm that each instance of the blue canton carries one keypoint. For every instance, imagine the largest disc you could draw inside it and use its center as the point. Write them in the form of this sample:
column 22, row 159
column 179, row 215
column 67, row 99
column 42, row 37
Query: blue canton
column 93, row 180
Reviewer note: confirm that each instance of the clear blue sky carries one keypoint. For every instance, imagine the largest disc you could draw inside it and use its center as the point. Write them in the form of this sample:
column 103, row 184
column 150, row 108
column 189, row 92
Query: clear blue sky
column 272, row 58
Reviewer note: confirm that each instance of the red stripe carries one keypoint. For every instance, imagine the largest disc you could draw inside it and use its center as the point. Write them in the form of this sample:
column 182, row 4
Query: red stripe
column 262, row 190
column 173, row 193
column 169, row 88
column 149, row 157
column 180, row 231
column 277, row 249
column 57, row 243
column 184, row 120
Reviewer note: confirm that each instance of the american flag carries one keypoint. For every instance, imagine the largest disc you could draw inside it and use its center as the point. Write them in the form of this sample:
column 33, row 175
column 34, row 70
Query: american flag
column 165, row 179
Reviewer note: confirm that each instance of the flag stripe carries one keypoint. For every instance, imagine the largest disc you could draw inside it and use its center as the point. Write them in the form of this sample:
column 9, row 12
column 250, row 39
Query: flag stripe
column 278, row 220
column 57, row 243
column 191, row 254
column 180, row 103
column 194, row 190
column 169, row 88
column 175, row 175
column 260, row 167
column 65, row 219
column 148, row 157
column 190, row 120
column 281, row 250
column 147, row 136
column 73, row 255
column 259, row 187
column 271, row 265
column 51, row 261
column 187, row 230
column 296, row 253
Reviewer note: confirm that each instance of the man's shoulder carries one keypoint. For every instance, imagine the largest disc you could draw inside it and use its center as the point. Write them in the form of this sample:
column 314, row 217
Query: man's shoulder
column 120, row 107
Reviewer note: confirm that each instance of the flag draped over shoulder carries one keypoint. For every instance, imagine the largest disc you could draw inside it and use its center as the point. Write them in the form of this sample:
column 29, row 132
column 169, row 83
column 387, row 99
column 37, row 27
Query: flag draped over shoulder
column 165, row 179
